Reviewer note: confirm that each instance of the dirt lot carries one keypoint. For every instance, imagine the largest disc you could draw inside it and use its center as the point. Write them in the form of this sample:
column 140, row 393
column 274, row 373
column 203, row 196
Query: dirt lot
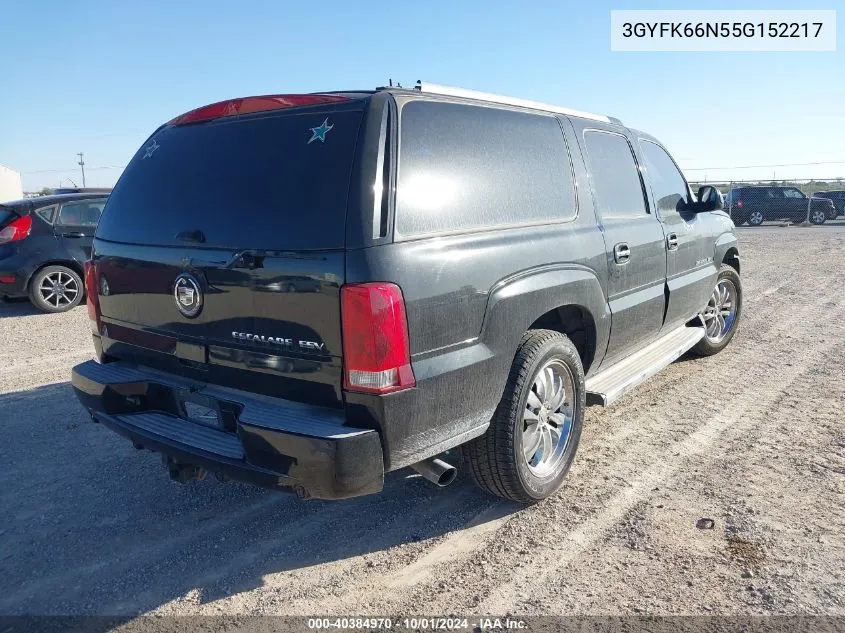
column 753, row 439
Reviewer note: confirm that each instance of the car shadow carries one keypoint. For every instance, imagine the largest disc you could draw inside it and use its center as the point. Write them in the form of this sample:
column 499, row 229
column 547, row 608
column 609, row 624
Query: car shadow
column 95, row 527
column 838, row 223
column 17, row 308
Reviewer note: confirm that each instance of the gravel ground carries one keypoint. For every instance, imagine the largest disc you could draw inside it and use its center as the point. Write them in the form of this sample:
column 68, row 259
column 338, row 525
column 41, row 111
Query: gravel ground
column 752, row 439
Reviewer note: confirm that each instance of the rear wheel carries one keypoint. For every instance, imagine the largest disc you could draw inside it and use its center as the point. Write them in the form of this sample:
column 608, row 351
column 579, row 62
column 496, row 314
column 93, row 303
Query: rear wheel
column 721, row 315
column 755, row 218
column 534, row 434
column 55, row 289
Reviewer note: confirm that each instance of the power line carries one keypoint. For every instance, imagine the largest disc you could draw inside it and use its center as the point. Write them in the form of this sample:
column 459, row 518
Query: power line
column 825, row 162
column 59, row 171
column 715, row 179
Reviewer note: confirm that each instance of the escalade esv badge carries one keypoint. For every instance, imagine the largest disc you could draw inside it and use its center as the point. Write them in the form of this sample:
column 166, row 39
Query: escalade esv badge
column 188, row 296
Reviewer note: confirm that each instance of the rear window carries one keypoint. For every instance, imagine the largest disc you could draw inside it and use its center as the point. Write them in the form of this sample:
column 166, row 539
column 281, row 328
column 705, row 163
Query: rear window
column 271, row 182
column 465, row 168
column 6, row 215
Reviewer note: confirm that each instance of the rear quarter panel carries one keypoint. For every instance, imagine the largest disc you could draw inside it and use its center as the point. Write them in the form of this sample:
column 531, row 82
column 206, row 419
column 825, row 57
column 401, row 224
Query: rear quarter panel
column 470, row 297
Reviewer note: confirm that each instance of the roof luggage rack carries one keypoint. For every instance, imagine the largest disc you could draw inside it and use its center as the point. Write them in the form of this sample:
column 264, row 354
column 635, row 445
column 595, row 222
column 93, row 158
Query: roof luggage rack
column 428, row 87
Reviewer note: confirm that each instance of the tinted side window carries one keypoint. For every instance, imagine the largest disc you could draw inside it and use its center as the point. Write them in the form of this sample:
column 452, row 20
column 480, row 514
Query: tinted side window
column 667, row 184
column 48, row 214
column 792, row 193
column 81, row 213
column 614, row 175
column 464, row 167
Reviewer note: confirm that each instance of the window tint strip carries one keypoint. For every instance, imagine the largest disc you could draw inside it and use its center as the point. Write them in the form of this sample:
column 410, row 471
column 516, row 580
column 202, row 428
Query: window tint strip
column 382, row 184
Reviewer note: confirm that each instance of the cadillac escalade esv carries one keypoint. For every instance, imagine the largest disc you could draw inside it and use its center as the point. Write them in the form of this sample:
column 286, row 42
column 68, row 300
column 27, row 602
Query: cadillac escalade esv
column 307, row 291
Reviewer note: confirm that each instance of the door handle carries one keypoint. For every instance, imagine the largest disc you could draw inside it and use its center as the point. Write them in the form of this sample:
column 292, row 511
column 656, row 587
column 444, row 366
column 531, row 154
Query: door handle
column 621, row 253
column 672, row 242
column 73, row 234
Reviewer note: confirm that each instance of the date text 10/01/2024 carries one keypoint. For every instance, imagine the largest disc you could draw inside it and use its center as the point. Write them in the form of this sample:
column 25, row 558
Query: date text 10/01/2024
column 418, row 624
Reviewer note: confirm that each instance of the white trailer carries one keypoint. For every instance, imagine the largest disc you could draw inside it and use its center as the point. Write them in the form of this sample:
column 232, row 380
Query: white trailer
column 10, row 185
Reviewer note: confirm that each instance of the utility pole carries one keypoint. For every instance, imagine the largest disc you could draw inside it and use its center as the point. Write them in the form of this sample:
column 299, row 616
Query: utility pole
column 82, row 164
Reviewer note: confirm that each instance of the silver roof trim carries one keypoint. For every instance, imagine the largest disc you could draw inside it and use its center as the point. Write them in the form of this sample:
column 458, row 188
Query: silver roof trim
column 426, row 86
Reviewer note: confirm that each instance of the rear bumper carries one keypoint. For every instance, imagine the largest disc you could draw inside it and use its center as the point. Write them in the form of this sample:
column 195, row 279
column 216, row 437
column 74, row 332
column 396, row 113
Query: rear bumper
column 267, row 442
column 16, row 288
column 15, row 261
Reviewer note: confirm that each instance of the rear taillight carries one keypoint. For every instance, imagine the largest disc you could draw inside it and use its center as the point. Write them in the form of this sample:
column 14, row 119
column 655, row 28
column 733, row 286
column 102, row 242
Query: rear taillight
column 92, row 284
column 17, row 230
column 739, row 204
column 248, row 105
column 376, row 349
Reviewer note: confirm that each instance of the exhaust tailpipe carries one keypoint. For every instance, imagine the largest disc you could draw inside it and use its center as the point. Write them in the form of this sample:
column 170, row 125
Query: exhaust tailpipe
column 436, row 471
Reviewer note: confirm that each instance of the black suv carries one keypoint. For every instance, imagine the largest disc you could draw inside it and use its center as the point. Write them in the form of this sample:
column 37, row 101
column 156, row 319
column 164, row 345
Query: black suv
column 757, row 204
column 308, row 291
column 100, row 190
column 837, row 197
column 44, row 243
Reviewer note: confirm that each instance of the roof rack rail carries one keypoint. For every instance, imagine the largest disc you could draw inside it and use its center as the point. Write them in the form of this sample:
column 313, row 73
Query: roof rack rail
column 425, row 86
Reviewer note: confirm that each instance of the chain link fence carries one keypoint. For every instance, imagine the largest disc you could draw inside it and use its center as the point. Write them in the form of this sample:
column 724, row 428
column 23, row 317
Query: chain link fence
column 753, row 202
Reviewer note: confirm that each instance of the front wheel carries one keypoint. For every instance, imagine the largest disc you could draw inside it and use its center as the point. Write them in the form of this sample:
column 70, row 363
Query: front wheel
column 721, row 315
column 533, row 436
column 817, row 216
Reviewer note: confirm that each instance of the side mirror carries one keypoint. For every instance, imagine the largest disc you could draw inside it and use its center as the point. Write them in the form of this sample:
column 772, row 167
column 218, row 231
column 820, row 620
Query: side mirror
column 709, row 199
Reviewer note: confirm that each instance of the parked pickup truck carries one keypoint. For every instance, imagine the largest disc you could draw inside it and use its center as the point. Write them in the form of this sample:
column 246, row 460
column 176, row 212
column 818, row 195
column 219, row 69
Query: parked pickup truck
column 308, row 291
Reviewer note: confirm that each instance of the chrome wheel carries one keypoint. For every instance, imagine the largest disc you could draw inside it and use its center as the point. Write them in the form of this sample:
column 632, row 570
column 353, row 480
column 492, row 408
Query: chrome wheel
column 755, row 218
column 818, row 217
column 720, row 313
column 547, row 419
column 59, row 289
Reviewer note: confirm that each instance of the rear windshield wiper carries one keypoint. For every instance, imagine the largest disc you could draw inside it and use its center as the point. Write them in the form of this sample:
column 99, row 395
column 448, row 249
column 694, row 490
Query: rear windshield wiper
column 250, row 258
column 195, row 236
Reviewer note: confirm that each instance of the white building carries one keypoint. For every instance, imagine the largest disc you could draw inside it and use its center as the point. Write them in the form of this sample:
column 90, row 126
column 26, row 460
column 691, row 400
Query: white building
column 10, row 185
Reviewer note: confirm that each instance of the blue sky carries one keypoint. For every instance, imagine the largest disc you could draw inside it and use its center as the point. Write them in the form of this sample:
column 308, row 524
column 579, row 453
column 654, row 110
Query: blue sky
column 99, row 76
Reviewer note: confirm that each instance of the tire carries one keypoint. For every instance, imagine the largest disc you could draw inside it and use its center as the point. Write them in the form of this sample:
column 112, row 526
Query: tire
column 46, row 282
column 755, row 218
column 710, row 345
column 495, row 460
column 817, row 216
